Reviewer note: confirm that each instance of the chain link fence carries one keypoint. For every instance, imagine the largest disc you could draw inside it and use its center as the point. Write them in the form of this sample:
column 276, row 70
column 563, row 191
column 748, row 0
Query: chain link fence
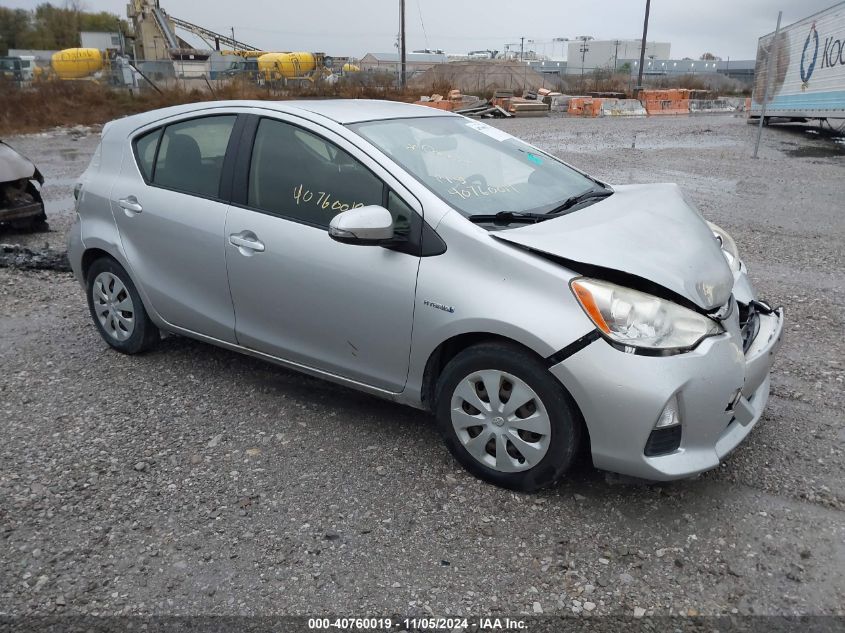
column 235, row 77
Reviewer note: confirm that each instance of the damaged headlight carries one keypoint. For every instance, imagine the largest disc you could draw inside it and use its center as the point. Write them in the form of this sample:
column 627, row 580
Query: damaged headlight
column 635, row 319
column 728, row 245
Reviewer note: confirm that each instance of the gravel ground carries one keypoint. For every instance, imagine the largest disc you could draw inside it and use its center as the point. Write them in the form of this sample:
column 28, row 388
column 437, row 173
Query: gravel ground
column 192, row 480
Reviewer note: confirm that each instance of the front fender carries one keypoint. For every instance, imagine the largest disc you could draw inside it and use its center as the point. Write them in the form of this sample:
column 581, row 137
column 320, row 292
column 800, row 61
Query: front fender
column 482, row 285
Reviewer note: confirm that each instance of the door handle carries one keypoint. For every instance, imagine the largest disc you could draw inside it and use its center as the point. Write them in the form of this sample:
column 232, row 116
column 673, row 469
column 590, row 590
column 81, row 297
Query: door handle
column 130, row 203
column 246, row 240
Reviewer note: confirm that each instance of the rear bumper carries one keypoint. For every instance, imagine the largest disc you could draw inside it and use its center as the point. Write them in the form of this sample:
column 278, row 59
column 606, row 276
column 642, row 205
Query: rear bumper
column 621, row 396
column 75, row 249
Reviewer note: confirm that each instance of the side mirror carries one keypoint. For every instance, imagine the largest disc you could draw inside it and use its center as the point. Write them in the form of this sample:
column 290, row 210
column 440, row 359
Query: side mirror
column 366, row 226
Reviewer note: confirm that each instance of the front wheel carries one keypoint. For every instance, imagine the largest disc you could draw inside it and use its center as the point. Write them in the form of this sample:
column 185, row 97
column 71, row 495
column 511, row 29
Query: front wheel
column 505, row 418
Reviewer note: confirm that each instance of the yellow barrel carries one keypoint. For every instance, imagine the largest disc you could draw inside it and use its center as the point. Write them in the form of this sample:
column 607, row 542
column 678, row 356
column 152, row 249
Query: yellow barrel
column 76, row 63
column 350, row 68
column 276, row 66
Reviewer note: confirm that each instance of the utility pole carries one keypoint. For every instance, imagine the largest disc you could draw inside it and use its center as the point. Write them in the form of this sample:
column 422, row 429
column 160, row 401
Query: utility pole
column 234, row 41
column 521, row 48
column 402, row 51
column 583, row 50
column 616, row 54
column 771, row 69
column 642, row 48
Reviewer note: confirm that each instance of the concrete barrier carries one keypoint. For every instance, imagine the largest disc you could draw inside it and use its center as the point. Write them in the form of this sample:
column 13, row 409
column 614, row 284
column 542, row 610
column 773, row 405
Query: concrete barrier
column 662, row 102
column 656, row 107
column 712, row 105
column 622, row 107
column 559, row 103
column 584, row 106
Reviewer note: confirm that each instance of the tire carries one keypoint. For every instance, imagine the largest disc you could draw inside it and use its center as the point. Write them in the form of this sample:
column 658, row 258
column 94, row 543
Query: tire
column 534, row 456
column 117, row 310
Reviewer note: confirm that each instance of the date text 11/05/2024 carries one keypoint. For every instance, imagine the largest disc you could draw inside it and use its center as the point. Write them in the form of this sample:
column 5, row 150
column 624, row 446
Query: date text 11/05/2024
column 416, row 624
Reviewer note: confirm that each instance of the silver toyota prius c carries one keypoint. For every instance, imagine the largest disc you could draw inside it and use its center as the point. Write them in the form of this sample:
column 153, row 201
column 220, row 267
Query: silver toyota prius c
column 437, row 261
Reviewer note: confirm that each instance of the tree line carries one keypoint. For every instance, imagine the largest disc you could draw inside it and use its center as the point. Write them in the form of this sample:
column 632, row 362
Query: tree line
column 52, row 28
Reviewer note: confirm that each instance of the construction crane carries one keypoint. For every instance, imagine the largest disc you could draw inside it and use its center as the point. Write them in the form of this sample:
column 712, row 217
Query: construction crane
column 208, row 36
column 156, row 38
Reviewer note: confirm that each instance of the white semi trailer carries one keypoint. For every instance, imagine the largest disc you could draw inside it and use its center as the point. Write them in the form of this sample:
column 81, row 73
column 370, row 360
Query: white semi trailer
column 808, row 66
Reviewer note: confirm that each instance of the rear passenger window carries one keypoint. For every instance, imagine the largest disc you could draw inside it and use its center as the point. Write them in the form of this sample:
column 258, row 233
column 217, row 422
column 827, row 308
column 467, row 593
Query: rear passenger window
column 145, row 150
column 302, row 176
column 191, row 153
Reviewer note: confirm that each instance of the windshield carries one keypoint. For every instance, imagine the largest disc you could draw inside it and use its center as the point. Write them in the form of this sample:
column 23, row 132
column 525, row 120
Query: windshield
column 476, row 168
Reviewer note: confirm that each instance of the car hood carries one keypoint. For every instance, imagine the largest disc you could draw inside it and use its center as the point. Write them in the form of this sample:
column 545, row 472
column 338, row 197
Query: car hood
column 15, row 166
column 645, row 231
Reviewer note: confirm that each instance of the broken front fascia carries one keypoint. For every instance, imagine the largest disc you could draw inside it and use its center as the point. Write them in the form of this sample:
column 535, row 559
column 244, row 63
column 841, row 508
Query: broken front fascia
column 20, row 197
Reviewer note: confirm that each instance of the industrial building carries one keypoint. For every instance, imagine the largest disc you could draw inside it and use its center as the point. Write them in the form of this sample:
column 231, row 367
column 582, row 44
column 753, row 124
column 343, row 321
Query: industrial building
column 102, row 40
column 667, row 66
column 391, row 62
column 740, row 69
column 590, row 54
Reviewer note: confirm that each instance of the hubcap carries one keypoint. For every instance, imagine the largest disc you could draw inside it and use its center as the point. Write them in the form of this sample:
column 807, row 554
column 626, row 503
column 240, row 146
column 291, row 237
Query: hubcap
column 113, row 306
column 501, row 421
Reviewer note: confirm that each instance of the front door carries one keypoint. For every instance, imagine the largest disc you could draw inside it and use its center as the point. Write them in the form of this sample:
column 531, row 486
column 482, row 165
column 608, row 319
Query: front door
column 171, row 222
column 299, row 295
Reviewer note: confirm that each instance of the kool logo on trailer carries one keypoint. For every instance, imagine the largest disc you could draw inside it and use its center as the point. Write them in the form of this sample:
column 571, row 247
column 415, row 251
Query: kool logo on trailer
column 808, row 72
column 833, row 54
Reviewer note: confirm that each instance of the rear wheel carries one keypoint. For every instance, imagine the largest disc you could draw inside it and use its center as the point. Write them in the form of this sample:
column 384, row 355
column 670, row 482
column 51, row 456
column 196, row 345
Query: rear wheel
column 505, row 418
column 117, row 310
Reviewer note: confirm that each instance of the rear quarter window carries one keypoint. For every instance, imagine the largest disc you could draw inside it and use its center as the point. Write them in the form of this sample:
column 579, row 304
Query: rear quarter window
column 145, row 150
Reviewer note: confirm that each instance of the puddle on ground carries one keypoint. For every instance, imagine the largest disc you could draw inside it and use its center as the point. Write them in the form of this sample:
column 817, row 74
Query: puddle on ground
column 817, row 151
column 812, row 142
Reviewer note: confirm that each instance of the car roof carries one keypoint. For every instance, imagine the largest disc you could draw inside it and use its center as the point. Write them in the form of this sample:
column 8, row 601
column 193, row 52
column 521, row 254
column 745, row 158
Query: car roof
column 343, row 111
column 356, row 110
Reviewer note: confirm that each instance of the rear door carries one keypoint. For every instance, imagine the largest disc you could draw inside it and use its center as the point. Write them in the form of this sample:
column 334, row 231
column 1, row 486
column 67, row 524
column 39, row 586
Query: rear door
column 169, row 205
column 299, row 295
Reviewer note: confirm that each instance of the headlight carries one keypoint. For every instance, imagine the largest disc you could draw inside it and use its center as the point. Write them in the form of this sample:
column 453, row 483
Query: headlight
column 636, row 319
column 728, row 245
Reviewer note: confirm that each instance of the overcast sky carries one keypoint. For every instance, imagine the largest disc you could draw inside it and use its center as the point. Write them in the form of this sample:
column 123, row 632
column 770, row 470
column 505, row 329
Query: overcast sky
column 727, row 28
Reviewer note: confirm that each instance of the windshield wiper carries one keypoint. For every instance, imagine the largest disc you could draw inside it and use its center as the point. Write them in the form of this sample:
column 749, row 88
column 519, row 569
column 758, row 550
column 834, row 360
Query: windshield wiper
column 509, row 217
column 592, row 192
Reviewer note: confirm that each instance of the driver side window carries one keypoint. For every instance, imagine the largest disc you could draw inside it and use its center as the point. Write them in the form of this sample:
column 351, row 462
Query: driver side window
column 303, row 177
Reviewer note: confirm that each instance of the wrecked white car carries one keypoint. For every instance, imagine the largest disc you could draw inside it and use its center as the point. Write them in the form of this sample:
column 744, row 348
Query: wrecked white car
column 21, row 205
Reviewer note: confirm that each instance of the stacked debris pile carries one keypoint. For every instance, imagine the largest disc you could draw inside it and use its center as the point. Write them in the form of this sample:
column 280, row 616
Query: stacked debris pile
column 532, row 104
column 467, row 105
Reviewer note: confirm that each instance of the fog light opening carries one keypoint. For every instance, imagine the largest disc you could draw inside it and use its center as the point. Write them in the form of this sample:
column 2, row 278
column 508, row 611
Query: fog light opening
column 670, row 416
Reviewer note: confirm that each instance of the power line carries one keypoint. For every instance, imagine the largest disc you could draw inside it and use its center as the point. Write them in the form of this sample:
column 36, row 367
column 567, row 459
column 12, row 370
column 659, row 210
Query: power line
column 422, row 24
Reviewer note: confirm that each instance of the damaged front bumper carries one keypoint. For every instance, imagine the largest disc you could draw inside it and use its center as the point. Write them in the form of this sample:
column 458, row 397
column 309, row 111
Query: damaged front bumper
column 20, row 194
column 720, row 390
